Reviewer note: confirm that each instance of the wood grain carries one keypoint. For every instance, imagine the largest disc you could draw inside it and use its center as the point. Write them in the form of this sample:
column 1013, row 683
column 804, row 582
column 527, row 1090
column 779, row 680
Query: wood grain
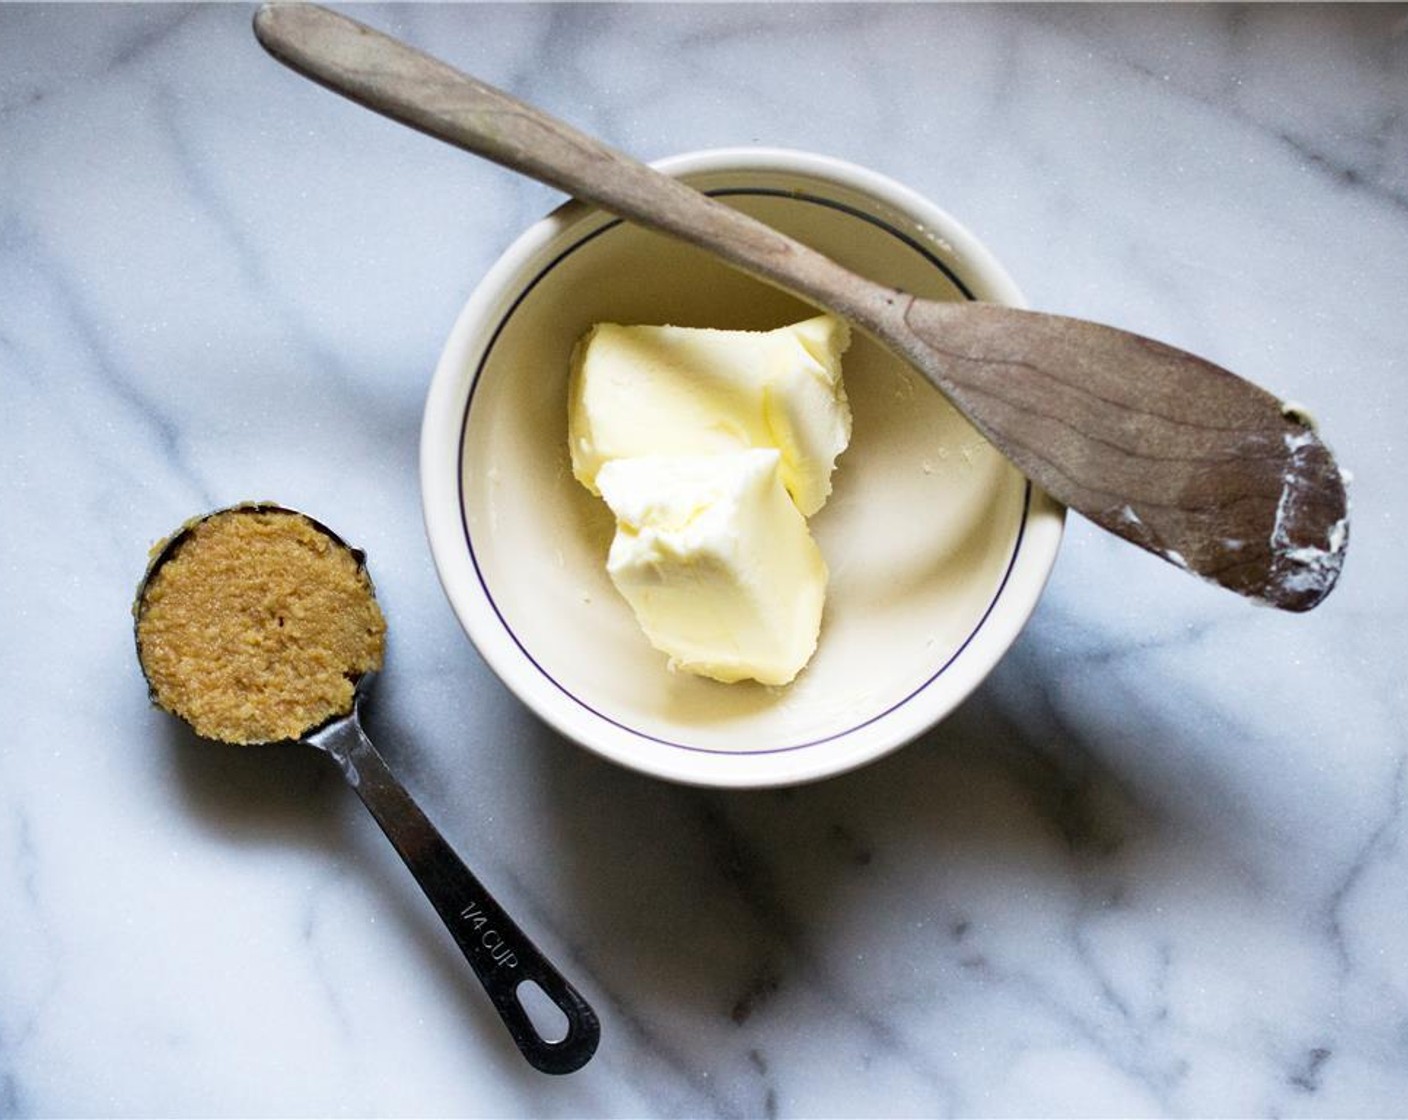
column 1170, row 451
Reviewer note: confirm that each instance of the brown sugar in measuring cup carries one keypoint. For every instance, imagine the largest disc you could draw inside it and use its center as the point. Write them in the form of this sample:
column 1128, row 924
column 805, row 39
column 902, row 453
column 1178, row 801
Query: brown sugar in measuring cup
column 255, row 623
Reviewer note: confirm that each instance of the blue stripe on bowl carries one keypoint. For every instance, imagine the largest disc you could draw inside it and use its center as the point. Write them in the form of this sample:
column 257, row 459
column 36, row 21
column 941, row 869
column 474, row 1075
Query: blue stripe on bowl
column 796, row 196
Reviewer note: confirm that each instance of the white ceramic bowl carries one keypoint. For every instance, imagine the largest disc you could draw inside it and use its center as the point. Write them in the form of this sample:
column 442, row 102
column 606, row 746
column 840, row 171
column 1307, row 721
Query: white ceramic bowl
column 938, row 548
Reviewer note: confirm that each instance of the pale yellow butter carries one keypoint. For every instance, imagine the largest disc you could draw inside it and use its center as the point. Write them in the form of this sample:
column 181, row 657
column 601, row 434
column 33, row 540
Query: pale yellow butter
column 716, row 562
column 647, row 390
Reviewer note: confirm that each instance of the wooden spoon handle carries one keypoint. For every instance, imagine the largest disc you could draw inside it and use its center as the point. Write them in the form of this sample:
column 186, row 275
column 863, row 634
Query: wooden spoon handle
column 400, row 82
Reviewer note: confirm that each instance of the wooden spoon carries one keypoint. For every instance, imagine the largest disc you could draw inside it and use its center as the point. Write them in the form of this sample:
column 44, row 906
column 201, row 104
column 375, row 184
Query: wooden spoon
column 1165, row 449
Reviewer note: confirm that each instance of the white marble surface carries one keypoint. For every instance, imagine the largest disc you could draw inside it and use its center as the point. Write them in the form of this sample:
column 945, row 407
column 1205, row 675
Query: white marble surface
column 1158, row 865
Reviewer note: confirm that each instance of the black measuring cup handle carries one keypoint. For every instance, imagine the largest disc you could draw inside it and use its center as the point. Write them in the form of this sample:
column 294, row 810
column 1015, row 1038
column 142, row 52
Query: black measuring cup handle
column 502, row 956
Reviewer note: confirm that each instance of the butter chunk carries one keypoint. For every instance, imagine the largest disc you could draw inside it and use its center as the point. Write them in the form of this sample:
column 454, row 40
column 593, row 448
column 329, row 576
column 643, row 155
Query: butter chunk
column 717, row 562
column 648, row 390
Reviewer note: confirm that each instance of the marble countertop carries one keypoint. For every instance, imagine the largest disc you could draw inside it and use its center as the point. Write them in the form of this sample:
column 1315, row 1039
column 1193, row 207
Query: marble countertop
column 1156, row 865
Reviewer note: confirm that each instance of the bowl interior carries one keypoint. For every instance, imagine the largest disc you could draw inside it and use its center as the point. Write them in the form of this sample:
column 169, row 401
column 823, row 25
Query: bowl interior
column 921, row 535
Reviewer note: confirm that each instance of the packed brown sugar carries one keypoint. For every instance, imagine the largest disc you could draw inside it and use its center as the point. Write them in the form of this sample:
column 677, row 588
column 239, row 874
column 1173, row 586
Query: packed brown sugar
column 257, row 628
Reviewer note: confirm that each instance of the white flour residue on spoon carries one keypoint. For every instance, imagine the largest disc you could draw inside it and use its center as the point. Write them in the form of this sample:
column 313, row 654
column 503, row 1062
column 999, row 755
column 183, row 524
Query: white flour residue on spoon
column 1304, row 567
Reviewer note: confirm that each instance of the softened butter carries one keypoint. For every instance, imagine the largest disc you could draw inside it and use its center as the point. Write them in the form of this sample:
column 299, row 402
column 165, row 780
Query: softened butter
column 716, row 561
column 649, row 390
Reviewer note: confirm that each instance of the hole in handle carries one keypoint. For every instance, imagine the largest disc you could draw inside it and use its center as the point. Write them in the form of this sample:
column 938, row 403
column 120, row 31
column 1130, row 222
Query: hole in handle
column 549, row 1020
